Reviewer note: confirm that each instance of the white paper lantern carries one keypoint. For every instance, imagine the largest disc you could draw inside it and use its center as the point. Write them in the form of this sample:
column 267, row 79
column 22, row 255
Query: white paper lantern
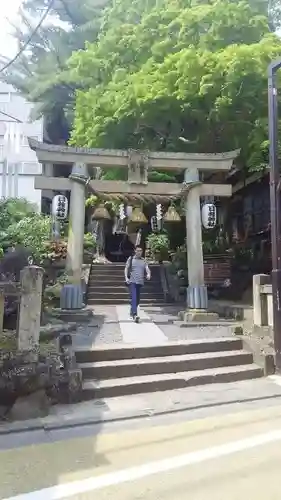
column 129, row 210
column 159, row 214
column 154, row 224
column 209, row 215
column 60, row 207
column 122, row 214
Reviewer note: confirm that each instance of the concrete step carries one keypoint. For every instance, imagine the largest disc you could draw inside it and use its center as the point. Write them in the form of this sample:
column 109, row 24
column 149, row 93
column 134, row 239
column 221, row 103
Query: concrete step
column 168, row 381
column 125, row 352
column 118, row 265
column 112, row 277
column 119, row 301
column 111, row 274
column 110, row 282
column 148, row 285
column 116, row 293
column 123, row 293
column 166, row 364
column 118, row 272
column 121, row 288
column 108, row 278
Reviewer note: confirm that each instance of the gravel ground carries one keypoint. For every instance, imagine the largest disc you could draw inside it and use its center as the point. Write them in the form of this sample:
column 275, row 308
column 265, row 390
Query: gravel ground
column 163, row 315
column 174, row 332
column 103, row 329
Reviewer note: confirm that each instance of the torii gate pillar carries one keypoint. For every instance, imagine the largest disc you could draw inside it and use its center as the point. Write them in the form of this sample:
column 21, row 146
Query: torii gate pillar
column 197, row 296
column 75, row 246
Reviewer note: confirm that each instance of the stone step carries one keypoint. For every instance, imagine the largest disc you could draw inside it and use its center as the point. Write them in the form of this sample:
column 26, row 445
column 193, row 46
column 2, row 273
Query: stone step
column 110, row 281
column 166, row 364
column 104, row 272
column 119, row 301
column 121, row 287
column 117, row 272
column 107, row 286
column 168, row 381
column 125, row 352
column 116, row 293
column 118, row 265
column 114, row 277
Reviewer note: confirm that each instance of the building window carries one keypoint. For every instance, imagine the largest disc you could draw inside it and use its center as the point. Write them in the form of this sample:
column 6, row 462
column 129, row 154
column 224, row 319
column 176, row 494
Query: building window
column 31, row 168
column 5, row 97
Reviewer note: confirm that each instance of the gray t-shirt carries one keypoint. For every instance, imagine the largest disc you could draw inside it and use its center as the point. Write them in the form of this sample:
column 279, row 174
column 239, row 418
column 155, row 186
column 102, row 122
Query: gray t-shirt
column 138, row 270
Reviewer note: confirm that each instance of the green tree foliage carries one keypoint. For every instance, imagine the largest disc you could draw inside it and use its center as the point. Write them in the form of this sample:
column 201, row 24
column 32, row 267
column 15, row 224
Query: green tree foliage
column 12, row 210
column 40, row 73
column 274, row 14
column 33, row 233
column 20, row 224
column 121, row 174
column 162, row 70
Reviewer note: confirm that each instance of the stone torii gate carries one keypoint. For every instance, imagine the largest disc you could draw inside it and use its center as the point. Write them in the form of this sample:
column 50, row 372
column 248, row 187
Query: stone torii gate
column 138, row 164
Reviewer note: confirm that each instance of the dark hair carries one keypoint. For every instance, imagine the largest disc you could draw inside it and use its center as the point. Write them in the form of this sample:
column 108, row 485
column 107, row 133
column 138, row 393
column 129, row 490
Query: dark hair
column 138, row 246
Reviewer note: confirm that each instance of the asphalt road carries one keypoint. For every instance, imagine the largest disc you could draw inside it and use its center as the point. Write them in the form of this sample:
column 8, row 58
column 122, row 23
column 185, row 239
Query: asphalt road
column 230, row 456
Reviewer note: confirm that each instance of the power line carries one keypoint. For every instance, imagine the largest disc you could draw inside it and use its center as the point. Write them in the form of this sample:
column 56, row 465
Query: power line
column 10, row 116
column 25, row 45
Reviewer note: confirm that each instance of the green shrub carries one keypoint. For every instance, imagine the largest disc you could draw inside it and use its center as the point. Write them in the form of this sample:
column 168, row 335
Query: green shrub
column 33, row 233
column 89, row 241
column 159, row 245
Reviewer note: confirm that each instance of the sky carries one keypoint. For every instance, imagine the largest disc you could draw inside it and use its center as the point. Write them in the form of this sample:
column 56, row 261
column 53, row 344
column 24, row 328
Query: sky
column 9, row 10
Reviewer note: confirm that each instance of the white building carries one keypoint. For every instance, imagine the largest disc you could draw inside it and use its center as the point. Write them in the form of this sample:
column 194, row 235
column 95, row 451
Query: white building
column 18, row 163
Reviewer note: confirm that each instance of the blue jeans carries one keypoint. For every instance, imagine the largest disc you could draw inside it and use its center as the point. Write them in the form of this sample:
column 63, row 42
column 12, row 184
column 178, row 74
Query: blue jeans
column 135, row 297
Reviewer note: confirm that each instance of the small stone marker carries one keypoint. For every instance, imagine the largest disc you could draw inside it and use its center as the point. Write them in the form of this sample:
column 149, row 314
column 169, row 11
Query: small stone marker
column 30, row 308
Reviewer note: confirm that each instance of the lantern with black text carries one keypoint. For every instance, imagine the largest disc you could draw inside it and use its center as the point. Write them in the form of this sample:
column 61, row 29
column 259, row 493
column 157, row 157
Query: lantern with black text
column 122, row 214
column 159, row 214
column 154, row 224
column 60, row 207
column 209, row 215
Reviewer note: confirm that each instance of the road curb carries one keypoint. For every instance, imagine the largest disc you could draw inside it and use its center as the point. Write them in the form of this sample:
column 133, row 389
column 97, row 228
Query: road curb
column 58, row 422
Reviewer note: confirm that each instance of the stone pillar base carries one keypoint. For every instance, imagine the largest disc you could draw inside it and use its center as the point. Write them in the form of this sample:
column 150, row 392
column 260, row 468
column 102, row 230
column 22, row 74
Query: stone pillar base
column 199, row 316
column 71, row 297
column 197, row 297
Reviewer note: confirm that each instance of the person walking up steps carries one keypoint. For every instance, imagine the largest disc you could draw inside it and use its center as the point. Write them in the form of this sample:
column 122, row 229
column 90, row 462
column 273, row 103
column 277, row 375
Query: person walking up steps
column 136, row 270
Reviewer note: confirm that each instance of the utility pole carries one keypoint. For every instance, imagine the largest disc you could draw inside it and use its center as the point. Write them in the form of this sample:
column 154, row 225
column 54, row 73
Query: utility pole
column 275, row 209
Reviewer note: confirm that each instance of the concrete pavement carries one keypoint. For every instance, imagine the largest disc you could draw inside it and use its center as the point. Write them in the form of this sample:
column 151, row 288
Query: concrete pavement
column 112, row 325
column 145, row 333
column 192, row 402
column 161, row 457
column 229, row 456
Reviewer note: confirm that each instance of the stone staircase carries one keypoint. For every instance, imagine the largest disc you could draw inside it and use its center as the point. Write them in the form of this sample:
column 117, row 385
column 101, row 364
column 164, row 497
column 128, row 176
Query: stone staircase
column 120, row 371
column 107, row 286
